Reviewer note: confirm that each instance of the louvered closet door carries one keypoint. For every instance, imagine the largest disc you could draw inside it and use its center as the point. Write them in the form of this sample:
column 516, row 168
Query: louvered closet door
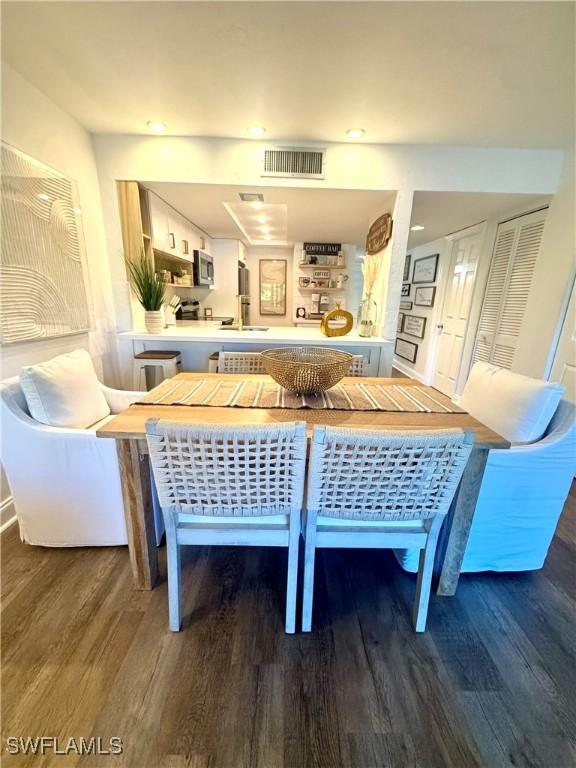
column 515, row 252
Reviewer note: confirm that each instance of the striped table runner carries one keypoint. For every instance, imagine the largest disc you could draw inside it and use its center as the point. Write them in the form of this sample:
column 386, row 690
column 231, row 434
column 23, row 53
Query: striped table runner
column 268, row 394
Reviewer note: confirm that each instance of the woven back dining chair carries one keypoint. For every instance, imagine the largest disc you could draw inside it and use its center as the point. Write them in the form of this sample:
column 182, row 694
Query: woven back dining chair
column 381, row 490
column 251, row 362
column 240, row 485
column 356, row 366
column 240, row 362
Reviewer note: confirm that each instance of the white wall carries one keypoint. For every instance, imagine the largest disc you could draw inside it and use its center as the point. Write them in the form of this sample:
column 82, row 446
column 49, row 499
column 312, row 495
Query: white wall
column 254, row 255
column 552, row 280
column 35, row 125
column 421, row 369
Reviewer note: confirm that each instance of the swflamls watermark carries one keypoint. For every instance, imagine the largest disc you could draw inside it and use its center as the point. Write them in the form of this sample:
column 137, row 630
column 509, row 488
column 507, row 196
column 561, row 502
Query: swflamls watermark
column 44, row 745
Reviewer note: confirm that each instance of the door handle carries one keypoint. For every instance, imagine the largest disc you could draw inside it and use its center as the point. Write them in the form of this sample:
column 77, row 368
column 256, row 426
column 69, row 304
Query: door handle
column 172, row 239
column 440, row 326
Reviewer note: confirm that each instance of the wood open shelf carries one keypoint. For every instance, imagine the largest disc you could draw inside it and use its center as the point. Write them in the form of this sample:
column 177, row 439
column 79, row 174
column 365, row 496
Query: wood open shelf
column 180, row 260
column 320, row 290
column 320, row 266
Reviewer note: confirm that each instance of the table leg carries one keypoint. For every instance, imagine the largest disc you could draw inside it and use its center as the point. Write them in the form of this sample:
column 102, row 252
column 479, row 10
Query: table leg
column 137, row 495
column 456, row 528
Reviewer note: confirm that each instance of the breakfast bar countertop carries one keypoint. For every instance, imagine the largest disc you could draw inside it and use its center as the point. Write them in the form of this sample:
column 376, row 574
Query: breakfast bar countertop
column 274, row 335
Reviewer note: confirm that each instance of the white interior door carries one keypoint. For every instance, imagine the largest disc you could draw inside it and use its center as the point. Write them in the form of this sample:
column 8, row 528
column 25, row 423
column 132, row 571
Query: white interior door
column 564, row 365
column 513, row 261
column 455, row 314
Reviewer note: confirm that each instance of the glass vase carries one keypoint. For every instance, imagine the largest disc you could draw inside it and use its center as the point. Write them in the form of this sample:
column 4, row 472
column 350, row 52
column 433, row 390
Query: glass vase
column 367, row 316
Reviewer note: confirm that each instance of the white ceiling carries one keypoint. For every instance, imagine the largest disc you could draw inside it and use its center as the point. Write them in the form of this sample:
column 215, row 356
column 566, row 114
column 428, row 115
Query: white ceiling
column 463, row 73
column 442, row 213
column 322, row 215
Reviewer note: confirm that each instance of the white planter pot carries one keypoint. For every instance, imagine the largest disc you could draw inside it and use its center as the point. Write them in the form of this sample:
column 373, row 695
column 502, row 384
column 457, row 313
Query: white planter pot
column 154, row 321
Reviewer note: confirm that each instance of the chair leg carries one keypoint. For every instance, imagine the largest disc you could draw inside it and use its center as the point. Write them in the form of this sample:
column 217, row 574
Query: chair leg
column 309, row 557
column 174, row 583
column 137, row 376
column 424, row 581
column 292, row 578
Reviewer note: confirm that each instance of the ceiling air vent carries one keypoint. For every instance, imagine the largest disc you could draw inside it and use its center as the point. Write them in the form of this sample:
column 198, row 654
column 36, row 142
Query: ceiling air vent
column 294, row 163
column 251, row 197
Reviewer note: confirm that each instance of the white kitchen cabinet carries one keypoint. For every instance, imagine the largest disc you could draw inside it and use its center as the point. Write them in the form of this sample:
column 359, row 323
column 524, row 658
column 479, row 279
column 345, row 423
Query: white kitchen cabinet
column 159, row 220
column 172, row 233
column 187, row 240
column 176, row 234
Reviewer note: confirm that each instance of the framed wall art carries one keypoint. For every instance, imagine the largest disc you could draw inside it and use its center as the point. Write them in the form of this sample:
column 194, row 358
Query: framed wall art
column 405, row 304
column 42, row 278
column 272, row 286
column 405, row 289
column 414, row 326
column 400, row 323
column 424, row 296
column 425, row 269
column 407, row 261
column 406, row 350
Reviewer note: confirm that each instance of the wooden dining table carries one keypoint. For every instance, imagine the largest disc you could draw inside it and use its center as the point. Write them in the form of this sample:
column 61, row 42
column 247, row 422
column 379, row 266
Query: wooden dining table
column 128, row 429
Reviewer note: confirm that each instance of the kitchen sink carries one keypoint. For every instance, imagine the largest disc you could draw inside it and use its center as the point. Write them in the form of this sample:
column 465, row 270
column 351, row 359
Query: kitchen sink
column 245, row 328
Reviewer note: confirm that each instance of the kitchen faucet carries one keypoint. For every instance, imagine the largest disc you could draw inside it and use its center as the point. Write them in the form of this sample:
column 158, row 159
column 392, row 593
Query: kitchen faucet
column 240, row 323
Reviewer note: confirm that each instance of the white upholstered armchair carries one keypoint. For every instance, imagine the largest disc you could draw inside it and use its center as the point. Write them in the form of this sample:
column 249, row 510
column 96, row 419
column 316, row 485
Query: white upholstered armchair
column 65, row 482
column 524, row 488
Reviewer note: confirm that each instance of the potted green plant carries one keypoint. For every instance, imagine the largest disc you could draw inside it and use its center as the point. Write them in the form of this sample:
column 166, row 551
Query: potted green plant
column 149, row 292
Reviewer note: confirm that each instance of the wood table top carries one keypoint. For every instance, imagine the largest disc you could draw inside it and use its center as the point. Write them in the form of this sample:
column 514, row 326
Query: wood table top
column 130, row 424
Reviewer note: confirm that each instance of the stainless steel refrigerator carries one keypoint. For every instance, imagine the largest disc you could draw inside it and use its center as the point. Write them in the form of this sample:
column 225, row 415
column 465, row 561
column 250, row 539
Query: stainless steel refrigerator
column 244, row 290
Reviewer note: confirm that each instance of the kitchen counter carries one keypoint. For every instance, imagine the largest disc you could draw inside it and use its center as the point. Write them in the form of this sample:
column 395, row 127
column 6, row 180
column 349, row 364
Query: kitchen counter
column 212, row 332
column 197, row 341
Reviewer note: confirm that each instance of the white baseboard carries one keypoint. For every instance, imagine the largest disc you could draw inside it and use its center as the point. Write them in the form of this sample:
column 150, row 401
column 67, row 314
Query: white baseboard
column 7, row 513
column 407, row 370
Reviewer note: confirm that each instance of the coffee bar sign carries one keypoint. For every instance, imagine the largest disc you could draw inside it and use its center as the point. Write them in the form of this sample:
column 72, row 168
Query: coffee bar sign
column 379, row 234
column 323, row 249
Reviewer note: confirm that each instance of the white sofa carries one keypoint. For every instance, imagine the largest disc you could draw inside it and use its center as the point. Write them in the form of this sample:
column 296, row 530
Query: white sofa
column 65, row 482
column 525, row 487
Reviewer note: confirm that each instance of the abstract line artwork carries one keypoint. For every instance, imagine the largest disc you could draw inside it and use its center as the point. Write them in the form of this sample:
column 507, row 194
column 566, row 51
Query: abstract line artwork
column 42, row 288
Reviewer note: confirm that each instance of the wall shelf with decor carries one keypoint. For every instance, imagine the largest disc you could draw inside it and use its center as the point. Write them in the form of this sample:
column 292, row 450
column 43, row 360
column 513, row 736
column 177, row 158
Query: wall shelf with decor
column 322, row 290
column 318, row 286
column 320, row 266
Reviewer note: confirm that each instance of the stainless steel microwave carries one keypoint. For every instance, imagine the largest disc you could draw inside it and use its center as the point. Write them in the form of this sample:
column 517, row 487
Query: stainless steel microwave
column 203, row 269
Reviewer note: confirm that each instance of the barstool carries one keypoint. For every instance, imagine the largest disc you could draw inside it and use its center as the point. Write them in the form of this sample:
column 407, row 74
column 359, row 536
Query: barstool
column 213, row 362
column 153, row 366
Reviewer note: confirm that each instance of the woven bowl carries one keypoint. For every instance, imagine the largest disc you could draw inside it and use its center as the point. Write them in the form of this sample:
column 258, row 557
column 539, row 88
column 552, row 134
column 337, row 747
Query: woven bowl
column 306, row 370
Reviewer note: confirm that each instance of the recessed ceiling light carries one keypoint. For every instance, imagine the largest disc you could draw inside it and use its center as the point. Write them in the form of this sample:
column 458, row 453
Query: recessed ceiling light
column 262, row 219
column 417, row 228
column 78, row 211
column 44, row 196
column 267, row 237
column 265, row 230
column 355, row 133
column 256, row 131
column 156, row 126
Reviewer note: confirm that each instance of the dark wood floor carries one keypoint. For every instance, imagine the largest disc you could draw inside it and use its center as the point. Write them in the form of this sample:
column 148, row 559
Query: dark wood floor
column 491, row 683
